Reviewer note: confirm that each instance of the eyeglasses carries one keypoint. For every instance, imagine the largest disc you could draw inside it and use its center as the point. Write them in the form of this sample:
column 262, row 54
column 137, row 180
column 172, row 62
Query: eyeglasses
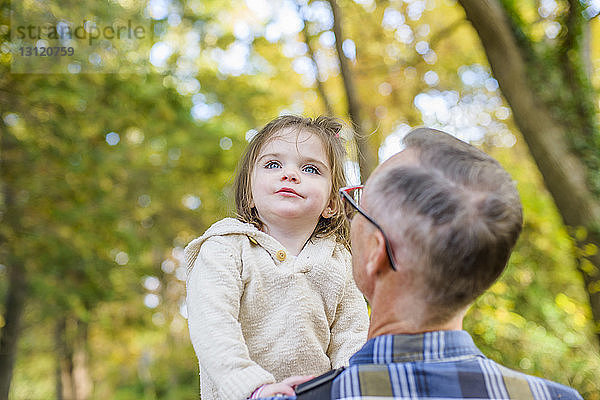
column 351, row 195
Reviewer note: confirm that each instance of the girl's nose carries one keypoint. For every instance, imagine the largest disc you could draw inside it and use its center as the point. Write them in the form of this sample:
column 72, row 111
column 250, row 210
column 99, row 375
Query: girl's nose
column 289, row 174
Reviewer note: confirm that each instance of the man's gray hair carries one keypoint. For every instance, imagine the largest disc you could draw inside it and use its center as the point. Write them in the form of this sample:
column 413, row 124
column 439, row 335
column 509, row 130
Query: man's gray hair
column 455, row 216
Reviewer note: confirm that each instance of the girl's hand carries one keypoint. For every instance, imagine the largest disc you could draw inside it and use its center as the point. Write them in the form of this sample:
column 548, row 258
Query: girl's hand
column 285, row 387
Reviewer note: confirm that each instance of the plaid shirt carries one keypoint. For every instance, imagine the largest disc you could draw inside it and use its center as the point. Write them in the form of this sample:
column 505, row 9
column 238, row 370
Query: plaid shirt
column 436, row 365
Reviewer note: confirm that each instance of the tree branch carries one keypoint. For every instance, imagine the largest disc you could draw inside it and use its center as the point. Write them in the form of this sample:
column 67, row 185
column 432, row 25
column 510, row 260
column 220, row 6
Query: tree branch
column 366, row 159
column 437, row 37
column 311, row 54
column 572, row 53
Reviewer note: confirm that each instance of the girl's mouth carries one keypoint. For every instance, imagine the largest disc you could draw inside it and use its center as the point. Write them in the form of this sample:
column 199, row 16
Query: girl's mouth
column 288, row 192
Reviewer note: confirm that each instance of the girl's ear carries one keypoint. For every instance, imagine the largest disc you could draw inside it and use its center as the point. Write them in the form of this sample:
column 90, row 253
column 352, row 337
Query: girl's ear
column 330, row 210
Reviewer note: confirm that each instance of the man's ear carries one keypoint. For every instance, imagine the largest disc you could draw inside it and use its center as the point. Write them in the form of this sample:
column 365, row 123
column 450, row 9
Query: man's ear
column 377, row 260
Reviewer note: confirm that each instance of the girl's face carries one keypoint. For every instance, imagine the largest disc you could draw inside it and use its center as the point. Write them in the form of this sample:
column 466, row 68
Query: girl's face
column 291, row 179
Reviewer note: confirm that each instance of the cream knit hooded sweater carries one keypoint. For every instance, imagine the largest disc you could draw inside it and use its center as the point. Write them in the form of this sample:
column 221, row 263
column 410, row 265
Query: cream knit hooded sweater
column 258, row 315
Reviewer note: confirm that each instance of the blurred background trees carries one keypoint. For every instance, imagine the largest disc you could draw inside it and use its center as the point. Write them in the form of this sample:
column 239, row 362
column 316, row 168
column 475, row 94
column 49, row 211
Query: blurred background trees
column 106, row 176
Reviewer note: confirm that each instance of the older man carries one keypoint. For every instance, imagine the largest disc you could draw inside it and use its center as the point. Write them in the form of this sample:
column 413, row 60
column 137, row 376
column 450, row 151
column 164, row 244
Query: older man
column 433, row 230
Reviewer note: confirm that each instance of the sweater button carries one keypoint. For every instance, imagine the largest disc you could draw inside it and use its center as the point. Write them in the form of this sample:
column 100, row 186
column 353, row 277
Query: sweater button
column 280, row 255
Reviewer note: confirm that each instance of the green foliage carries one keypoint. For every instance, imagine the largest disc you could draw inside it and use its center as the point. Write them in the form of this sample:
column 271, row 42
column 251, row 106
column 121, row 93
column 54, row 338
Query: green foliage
column 557, row 66
column 98, row 219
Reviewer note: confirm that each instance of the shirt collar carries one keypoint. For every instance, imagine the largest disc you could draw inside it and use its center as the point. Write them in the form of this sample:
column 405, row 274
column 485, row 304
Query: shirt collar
column 428, row 346
column 315, row 251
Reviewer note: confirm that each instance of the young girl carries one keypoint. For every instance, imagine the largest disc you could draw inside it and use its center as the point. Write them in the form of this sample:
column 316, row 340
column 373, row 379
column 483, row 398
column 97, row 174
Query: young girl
column 270, row 294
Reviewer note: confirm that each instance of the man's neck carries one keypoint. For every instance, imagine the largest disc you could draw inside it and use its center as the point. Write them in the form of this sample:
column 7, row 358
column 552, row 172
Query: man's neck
column 408, row 327
column 406, row 316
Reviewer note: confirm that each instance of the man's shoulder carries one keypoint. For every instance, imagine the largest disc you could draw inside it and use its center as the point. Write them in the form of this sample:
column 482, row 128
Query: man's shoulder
column 517, row 382
column 470, row 377
column 439, row 381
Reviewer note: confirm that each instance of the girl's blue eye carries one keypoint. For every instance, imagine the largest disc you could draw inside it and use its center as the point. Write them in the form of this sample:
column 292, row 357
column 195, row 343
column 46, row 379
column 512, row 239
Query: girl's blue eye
column 272, row 164
column 311, row 169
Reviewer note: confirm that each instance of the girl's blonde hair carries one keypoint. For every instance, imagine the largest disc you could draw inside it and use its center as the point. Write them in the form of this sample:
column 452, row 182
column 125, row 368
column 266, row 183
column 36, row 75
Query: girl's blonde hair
column 329, row 130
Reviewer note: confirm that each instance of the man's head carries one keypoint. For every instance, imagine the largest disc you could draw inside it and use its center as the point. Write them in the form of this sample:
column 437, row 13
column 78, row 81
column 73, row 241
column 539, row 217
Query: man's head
column 452, row 214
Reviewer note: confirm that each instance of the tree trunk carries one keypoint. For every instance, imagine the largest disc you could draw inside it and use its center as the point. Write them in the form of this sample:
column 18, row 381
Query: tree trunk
column 65, row 387
column 81, row 372
column 144, row 375
column 565, row 174
column 366, row 158
column 17, row 285
column 58, row 334
column 15, row 302
column 72, row 378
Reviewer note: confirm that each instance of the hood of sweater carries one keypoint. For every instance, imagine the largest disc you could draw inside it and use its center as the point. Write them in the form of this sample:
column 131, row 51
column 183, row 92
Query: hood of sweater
column 232, row 226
